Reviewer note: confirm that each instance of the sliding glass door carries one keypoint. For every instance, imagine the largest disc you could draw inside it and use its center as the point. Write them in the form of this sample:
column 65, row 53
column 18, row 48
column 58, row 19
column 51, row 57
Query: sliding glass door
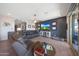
column 75, row 31
column 73, row 28
column 78, row 28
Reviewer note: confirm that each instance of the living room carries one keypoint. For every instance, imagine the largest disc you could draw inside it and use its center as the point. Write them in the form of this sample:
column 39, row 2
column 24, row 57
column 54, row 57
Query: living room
column 39, row 29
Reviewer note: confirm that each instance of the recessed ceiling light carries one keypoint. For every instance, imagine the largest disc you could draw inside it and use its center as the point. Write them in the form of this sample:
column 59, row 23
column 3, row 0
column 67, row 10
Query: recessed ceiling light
column 9, row 14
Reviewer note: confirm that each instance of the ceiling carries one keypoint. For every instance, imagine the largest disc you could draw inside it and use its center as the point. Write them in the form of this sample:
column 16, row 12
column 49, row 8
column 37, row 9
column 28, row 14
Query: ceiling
column 42, row 11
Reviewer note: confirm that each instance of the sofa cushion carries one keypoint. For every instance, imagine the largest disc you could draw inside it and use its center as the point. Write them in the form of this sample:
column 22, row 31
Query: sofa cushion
column 20, row 49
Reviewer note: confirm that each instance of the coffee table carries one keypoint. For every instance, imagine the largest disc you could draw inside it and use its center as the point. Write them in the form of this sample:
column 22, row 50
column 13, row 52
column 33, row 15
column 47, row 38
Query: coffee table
column 48, row 49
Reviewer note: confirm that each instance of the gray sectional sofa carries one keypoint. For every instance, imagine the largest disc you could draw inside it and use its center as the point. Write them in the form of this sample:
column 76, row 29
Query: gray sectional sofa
column 30, row 34
column 21, row 48
column 21, row 45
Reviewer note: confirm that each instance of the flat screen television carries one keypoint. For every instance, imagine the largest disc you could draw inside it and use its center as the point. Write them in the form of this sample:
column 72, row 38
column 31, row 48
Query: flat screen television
column 45, row 27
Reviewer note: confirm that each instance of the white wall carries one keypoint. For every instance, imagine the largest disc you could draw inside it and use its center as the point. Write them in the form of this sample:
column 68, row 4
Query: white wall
column 5, row 29
column 30, row 23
